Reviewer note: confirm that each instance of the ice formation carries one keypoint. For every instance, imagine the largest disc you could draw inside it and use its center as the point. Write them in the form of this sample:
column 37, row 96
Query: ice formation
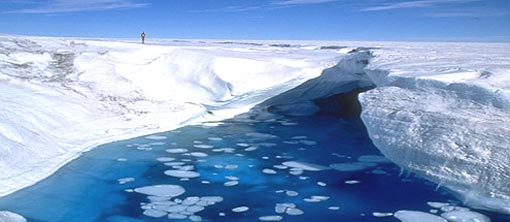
column 441, row 110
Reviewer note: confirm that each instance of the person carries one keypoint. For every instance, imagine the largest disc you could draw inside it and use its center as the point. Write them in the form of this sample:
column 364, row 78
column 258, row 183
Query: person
column 143, row 37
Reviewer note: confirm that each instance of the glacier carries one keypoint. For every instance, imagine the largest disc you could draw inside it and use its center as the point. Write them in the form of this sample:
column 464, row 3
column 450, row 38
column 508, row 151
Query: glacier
column 440, row 110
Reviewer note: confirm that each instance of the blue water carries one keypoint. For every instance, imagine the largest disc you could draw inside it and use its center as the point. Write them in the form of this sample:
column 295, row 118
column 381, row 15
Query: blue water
column 87, row 189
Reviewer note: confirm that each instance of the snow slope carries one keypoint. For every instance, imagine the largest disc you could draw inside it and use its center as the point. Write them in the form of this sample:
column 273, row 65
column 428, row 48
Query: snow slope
column 443, row 111
column 439, row 109
column 61, row 97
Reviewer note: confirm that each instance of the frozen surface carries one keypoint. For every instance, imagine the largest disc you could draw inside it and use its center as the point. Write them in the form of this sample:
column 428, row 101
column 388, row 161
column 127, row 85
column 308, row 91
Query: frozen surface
column 439, row 109
column 443, row 111
column 60, row 97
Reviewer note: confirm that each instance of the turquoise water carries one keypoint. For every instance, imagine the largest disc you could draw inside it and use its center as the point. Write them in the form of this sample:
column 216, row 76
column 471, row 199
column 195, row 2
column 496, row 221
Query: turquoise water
column 241, row 164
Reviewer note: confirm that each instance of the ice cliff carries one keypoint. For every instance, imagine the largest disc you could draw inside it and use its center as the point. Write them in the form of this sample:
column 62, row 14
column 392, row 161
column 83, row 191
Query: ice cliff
column 441, row 110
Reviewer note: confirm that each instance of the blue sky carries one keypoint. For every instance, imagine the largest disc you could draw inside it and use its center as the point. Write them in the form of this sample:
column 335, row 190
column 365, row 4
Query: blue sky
column 389, row 20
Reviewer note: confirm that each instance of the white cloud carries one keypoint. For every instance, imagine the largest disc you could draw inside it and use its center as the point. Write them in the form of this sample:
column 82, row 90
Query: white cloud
column 302, row 2
column 413, row 4
column 63, row 6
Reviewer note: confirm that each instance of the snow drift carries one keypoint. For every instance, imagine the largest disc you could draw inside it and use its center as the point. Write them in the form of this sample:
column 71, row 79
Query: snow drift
column 440, row 110
column 60, row 97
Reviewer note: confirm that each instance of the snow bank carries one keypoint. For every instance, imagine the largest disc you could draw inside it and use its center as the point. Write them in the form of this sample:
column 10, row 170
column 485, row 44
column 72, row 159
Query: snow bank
column 443, row 111
column 60, row 97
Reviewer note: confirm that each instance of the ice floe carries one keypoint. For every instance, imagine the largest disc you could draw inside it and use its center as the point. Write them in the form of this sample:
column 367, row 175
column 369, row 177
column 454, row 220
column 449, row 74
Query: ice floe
column 6, row 216
column 164, row 190
column 182, row 173
column 417, row 216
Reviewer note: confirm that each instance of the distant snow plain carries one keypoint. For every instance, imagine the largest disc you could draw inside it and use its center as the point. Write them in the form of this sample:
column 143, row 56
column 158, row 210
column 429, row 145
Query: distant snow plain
column 441, row 110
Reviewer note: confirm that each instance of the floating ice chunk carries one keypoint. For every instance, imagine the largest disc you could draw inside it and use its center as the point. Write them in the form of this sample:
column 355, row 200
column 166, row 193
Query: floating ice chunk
column 182, row 173
column 251, row 148
column 355, row 166
column 185, row 167
column 261, row 135
column 198, row 154
column 231, row 183
column 304, row 166
column 271, row 218
column 373, row 159
column 156, row 137
column 221, row 214
column 210, row 200
column 465, row 216
column 231, row 167
column 417, row 216
column 165, row 159
column 281, row 167
column 126, row 180
column 195, row 218
column 268, row 171
column 308, row 142
column 6, row 216
column 243, row 144
column 177, row 150
column 225, row 150
column 154, row 213
column 437, row 204
column 322, row 184
column 203, row 146
column 122, row 159
column 177, row 216
column 240, row 209
column 335, row 208
column 157, row 143
column 174, row 163
column 294, row 211
column 231, row 178
column 215, row 138
column 379, row 214
column 315, row 199
column 291, row 193
column 195, row 209
column 190, row 200
column 158, row 199
column 176, row 209
column 352, row 181
column 164, row 190
column 299, row 137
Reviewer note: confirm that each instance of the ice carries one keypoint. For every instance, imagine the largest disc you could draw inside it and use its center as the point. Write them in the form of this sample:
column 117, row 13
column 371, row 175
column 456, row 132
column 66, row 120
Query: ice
column 198, row 154
column 269, row 171
column 195, row 209
column 231, row 183
column 271, row 218
column 380, row 214
column 354, row 166
column 190, row 200
column 438, row 109
column 182, row 173
column 177, row 150
column 352, row 181
column 240, row 209
column 465, row 216
column 165, row 159
column 304, row 166
column 417, row 216
column 126, row 180
column 177, row 216
column 154, row 213
column 203, row 146
column 164, row 190
column 6, row 216
column 156, row 137
column 294, row 211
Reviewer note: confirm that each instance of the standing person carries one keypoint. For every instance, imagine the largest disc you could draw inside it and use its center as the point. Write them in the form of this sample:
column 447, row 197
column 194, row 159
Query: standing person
column 143, row 37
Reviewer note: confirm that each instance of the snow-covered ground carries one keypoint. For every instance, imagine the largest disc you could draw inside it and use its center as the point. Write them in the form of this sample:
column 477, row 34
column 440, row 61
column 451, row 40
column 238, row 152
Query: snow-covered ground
column 440, row 109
